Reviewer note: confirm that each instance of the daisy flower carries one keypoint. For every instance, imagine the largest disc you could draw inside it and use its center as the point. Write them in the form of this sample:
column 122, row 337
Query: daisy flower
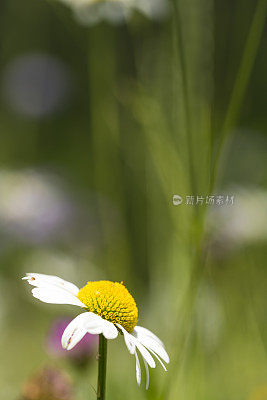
column 109, row 309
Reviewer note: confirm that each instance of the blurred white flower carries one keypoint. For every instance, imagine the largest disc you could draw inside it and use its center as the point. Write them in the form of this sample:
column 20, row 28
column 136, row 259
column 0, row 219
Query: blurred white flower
column 36, row 85
column 90, row 12
column 154, row 9
column 32, row 206
column 244, row 222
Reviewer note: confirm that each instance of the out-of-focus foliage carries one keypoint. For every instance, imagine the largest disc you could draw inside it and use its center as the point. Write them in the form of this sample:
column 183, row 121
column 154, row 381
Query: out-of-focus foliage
column 100, row 125
column 49, row 384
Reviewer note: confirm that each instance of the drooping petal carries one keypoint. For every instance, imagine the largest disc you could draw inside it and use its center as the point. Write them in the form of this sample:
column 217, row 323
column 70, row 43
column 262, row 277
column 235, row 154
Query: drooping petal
column 128, row 340
column 132, row 342
column 83, row 323
column 96, row 322
column 147, row 333
column 157, row 357
column 74, row 332
column 138, row 369
column 56, row 295
column 132, row 345
column 147, row 374
column 109, row 330
column 151, row 344
column 42, row 280
column 145, row 354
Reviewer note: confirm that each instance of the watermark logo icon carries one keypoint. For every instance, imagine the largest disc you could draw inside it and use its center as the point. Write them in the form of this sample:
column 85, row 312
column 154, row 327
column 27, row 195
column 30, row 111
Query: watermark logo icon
column 176, row 200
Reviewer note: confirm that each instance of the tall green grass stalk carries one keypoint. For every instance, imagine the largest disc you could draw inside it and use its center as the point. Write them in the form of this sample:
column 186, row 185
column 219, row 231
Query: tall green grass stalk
column 241, row 84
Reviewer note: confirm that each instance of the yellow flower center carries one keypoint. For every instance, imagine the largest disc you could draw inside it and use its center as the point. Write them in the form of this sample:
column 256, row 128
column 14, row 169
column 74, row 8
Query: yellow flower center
column 112, row 301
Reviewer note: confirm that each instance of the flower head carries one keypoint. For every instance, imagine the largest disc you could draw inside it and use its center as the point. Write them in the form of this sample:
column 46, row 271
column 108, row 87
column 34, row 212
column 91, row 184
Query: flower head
column 112, row 301
column 109, row 309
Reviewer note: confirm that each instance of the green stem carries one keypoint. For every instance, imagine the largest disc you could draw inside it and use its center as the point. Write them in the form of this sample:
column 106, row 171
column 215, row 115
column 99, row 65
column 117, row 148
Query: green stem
column 178, row 32
column 102, row 368
column 241, row 83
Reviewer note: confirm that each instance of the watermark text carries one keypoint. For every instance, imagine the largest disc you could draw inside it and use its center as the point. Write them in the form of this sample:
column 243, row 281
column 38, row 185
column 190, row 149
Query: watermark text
column 199, row 200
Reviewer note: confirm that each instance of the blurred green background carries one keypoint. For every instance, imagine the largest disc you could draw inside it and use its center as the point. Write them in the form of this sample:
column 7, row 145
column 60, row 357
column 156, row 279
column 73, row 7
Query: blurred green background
column 100, row 126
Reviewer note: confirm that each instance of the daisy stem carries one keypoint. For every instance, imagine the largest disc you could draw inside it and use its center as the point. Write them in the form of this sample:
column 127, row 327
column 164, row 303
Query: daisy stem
column 102, row 368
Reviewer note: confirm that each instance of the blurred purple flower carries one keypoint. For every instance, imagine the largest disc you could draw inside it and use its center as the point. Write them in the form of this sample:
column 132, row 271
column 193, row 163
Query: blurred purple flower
column 33, row 207
column 36, row 84
column 80, row 353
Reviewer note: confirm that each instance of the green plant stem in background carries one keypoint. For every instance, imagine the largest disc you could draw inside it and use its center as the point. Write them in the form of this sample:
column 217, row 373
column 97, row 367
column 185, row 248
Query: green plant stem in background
column 102, row 368
column 104, row 131
column 181, row 55
column 241, row 82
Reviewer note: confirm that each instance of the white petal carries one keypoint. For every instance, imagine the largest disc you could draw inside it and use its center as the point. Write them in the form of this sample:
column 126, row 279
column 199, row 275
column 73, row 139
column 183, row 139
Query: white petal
column 109, row 330
column 95, row 331
column 128, row 340
column 138, row 369
column 132, row 342
column 42, row 280
column 145, row 354
column 51, row 289
column 146, row 332
column 74, row 332
column 95, row 324
column 157, row 357
column 151, row 344
column 147, row 374
column 56, row 296
column 83, row 323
